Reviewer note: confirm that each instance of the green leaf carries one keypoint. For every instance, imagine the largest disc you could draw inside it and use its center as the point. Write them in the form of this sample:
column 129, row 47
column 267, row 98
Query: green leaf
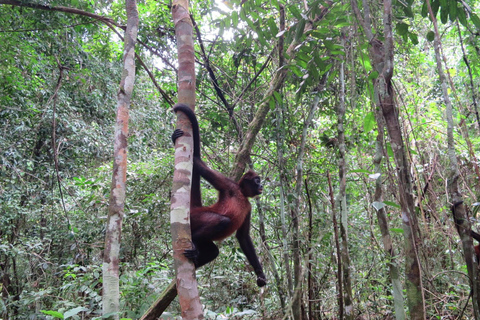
column 300, row 28
column 389, row 150
column 402, row 28
column 413, row 37
column 272, row 26
column 360, row 171
column 453, row 10
column 444, row 14
column 462, row 17
column 397, row 230
column 74, row 311
column 435, row 6
column 369, row 122
column 475, row 20
column 54, row 314
column 277, row 96
column 424, row 9
column 430, row 36
column 392, row 204
column 271, row 103
column 234, row 19
column 296, row 13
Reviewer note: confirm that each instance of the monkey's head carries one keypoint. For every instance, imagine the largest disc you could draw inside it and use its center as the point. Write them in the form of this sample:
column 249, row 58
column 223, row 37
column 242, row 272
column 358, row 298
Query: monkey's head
column 251, row 184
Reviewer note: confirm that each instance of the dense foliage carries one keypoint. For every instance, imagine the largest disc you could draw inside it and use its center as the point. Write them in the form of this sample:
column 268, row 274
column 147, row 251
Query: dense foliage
column 54, row 187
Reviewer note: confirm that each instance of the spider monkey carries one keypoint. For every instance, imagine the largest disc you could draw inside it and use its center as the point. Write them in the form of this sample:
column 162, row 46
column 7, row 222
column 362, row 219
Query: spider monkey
column 473, row 234
column 230, row 213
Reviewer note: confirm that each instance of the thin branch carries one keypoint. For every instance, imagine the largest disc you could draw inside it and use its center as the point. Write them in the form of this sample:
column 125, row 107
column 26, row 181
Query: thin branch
column 55, row 149
column 214, row 79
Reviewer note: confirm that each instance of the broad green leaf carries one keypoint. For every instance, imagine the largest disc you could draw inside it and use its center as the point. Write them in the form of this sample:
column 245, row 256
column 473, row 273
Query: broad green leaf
column 424, row 9
column 389, row 150
column 444, row 14
column 475, row 20
column 296, row 13
column 453, row 10
column 74, row 311
column 300, row 28
column 54, row 314
column 402, row 28
column 369, row 122
column 413, row 37
column 392, row 204
column 271, row 103
column 234, row 19
column 462, row 16
column 435, row 6
column 397, row 230
column 430, row 36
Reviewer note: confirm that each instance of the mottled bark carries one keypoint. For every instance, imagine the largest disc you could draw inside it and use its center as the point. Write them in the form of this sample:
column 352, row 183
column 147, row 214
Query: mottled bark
column 182, row 177
column 111, row 291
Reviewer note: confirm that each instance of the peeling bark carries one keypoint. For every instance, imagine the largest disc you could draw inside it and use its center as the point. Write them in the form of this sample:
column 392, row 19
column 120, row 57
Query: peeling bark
column 111, row 290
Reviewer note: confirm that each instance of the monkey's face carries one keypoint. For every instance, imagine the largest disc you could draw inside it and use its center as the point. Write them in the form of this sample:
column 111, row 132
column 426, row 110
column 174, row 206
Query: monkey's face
column 251, row 184
column 257, row 185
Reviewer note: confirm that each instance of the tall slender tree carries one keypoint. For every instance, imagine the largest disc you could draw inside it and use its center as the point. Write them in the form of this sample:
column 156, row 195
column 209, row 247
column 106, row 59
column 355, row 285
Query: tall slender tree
column 111, row 290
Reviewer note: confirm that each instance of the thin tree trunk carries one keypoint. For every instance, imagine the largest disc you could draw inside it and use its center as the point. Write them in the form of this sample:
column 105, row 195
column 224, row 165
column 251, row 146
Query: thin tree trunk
column 458, row 208
column 186, row 283
column 297, row 305
column 379, row 207
column 311, row 289
column 414, row 286
column 182, row 177
column 281, row 169
column 271, row 259
column 338, row 250
column 111, row 290
column 341, row 201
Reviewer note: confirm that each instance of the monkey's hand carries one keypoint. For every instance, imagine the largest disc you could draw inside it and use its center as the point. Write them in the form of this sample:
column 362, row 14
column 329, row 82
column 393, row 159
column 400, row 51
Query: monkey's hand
column 176, row 134
column 261, row 280
column 192, row 254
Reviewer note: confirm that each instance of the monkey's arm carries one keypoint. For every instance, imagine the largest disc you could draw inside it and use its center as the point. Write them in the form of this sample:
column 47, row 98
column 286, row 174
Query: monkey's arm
column 245, row 241
column 215, row 178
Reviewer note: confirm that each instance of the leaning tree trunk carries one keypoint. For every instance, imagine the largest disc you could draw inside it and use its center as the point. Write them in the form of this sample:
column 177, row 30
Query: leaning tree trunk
column 458, row 208
column 111, row 290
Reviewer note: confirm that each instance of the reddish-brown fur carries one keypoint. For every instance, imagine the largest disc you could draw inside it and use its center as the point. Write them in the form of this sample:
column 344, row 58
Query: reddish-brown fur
column 230, row 214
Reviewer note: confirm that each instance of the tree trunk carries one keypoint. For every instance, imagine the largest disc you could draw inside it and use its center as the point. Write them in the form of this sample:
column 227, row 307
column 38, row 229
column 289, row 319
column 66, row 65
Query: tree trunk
column 458, row 208
column 338, row 250
column 111, row 290
column 379, row 207
column 181, row 194
column 297, row 303
column 341, row 201
column 381, row 56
